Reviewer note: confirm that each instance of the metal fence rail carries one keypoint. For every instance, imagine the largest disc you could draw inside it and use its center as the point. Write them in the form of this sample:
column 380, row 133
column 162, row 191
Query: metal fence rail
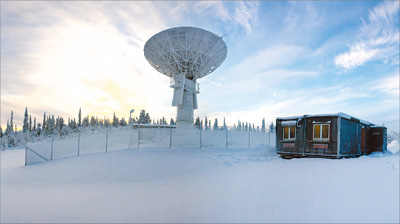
column 114, row 139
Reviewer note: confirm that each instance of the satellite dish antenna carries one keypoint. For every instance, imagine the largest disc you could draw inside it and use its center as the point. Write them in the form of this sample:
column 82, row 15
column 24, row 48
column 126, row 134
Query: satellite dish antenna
column 185, row 54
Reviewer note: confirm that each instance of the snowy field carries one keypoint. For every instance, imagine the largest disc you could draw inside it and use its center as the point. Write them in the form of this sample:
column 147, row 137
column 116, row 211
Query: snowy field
column 200, row 185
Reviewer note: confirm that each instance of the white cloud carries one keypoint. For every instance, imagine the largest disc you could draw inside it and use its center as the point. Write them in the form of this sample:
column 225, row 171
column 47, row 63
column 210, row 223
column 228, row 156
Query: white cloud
column 246, row 14
column 358, row 55
column 378, row 38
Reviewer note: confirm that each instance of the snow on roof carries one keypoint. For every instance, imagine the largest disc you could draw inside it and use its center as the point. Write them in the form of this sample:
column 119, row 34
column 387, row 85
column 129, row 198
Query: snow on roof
column 288, row 123
column 340, row 114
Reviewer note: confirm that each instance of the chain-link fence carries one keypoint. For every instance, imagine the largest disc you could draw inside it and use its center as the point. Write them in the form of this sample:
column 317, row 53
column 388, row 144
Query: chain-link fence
column 136, row 137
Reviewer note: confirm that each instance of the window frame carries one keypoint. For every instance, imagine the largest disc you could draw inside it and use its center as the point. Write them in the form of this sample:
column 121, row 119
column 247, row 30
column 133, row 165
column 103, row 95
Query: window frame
column 320, row 139
column 290, row 137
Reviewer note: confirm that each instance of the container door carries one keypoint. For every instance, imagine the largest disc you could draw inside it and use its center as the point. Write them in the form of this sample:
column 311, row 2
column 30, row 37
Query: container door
column 362, row 140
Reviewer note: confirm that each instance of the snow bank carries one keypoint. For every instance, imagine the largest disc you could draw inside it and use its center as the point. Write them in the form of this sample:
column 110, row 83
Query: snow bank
column 199, row 185
column 393, row 147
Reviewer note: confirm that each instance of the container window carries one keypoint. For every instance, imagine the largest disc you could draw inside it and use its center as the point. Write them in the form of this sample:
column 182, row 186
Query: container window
column 292, row 132
column 317, row 131
column 289, row 133
column 321, row 132
column 325, row 131
column 285, row 132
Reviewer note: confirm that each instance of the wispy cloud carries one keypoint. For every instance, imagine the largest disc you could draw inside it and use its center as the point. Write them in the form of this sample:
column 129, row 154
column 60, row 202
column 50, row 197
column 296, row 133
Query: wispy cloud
column 246, row 13
column 378, row 38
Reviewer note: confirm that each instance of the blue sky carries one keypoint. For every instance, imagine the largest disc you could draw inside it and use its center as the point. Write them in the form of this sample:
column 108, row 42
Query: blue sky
column 284, row 59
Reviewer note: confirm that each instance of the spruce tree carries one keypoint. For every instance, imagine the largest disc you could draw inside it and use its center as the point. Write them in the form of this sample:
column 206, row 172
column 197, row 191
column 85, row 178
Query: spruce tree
column 11, row 122
column 197, row 123
column 30, row 122
column 34, row 124
column 115, row 121
column 206, row 123
column 215, row 124
column 272, row 127
column 44, row 121
column 80, row 118
column 263, row 125
column 25, row 127
column 92, row 121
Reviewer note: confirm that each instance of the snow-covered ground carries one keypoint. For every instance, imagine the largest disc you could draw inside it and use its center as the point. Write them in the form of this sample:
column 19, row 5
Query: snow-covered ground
column 200, row 185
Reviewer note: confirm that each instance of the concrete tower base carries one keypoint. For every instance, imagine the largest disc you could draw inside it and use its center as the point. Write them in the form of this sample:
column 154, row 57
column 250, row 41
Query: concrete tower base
column 184, row 117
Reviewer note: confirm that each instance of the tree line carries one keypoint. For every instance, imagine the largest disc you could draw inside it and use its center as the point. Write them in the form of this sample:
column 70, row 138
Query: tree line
column 50, row 126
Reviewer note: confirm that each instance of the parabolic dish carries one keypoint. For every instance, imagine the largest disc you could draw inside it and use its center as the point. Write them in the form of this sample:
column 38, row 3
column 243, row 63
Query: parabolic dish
column 195, row 51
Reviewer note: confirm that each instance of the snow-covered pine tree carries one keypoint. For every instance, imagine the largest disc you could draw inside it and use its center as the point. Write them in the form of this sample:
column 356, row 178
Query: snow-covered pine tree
column 272, row 127
column 215, row 124
column 44, row 122
column 8, row 128
column 209, row 124
column 253, row 128
column 80, row 117
column 85, row 121
column 147, row 118
column 106, row 123
column 34, row 124
column 206, row 123
column 92, row 121
column 11, row 122
column 172, row 122
column 123, row 123
column 201, row 124
column 246, row 127
column 115, row 122
column 197, row 123
column 61, row 123
column 25, row 127
column 263, row 125
column 239, row 126
column 142, row 116
column 39, row 129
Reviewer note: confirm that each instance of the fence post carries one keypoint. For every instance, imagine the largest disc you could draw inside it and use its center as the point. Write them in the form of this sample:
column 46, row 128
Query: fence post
column 201, row 129
column 269, row 138
column 79, row 141
column 130, row 138
column 170, row 135
column 249, row 137
column 226, row 137
column 52, row 142
column 26, row 153
column 106, row 140
column 138, row 137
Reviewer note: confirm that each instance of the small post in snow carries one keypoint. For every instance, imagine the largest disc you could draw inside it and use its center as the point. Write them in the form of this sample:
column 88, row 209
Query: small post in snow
column 170, row 135
column 26, row 153
column 200, row 136
column 226, row 137
column 106, row 140
column 138, row 137
column 52, row 142
column 269, row 137
column 249, row 137
column 79, row 141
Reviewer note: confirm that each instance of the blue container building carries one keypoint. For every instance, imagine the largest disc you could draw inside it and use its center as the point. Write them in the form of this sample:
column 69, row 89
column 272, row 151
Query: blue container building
column 328, row 135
